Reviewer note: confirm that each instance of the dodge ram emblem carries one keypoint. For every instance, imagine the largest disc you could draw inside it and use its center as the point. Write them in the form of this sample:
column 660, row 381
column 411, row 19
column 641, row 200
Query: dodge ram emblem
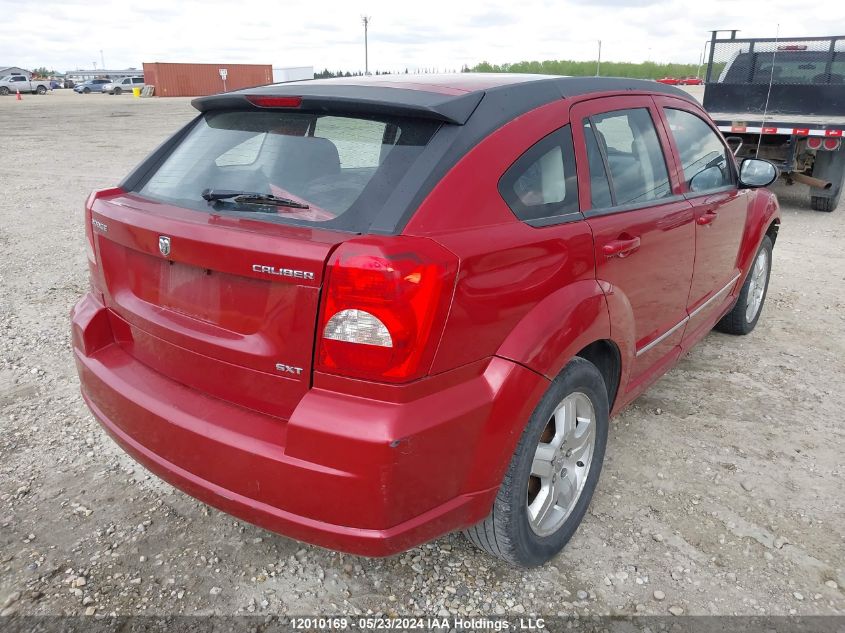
column 164, row 245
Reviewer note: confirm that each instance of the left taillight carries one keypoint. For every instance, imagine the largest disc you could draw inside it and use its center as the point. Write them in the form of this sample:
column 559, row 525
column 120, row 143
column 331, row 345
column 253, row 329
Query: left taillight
column 385, row 302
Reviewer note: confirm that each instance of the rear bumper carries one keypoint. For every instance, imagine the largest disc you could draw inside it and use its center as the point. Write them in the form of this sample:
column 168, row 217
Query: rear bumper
column 366, row 476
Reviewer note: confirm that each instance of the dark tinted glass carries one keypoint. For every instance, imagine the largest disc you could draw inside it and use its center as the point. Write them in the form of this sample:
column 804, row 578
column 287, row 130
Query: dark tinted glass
column 542, row 183
column 637, row 167
column 343, row 168
column 704, row 158
column 599, row 187
column 785, row 67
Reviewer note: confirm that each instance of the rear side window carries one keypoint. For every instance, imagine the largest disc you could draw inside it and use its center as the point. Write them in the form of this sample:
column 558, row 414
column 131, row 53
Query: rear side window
column 542, row 184
column 342, row 167
column 631, row 155
column 704, row 157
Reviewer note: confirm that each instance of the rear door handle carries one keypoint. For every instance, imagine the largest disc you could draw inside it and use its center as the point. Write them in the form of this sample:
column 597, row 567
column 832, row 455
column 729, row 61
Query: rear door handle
column 706, row 218
column 621, row 247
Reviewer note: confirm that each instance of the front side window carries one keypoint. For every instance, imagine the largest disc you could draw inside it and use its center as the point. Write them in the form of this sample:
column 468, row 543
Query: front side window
column 542, row 183
column 339, row 170
column 704, row 158
column 628, row 145
column 600, row 196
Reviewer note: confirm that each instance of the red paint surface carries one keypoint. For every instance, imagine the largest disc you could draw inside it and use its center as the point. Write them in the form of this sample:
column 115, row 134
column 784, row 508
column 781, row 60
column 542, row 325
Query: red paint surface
column 178, row 354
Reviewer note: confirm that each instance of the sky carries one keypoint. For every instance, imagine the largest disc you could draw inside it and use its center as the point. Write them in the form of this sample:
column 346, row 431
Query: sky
column 438, row 35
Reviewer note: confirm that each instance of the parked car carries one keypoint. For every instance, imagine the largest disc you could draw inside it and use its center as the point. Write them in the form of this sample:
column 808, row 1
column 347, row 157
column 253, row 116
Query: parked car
column 11, row 84
column 364, row 316
column 126, row 84
column 690, row 81
column 92, row 85
column 669, row 81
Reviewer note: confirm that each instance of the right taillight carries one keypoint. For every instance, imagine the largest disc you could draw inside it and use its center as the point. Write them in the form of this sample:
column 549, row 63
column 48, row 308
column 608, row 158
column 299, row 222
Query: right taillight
column 384, row 306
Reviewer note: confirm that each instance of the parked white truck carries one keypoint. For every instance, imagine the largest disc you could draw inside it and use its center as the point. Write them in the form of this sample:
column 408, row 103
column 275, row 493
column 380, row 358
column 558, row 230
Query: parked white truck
column 11, row 84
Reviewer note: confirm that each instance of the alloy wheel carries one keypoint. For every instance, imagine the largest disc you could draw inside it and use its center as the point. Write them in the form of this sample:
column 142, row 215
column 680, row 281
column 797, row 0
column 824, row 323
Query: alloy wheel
column 561, row 464
column 757, row 285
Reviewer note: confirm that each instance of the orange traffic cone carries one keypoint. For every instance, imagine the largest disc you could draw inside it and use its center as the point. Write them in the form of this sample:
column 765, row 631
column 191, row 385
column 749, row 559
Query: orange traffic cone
column 18, row 93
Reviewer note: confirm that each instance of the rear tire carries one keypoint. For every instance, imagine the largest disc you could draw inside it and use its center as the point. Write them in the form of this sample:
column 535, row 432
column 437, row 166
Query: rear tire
column 827, row 205
column 746, row 312
column 828, row 166
column 41, row 90
column 515, row 530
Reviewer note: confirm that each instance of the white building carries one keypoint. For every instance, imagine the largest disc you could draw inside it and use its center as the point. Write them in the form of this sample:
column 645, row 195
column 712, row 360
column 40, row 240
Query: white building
column 14, row 70
column 292, row 73
column 87, row 73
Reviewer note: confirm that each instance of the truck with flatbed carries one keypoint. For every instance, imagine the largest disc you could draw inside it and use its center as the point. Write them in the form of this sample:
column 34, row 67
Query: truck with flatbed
column 783, row 99
column 11, row 84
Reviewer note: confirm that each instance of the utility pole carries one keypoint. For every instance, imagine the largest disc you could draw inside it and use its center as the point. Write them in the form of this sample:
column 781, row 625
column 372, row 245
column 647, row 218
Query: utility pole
column 102, row 59
column 366, row 20
column 598, row 63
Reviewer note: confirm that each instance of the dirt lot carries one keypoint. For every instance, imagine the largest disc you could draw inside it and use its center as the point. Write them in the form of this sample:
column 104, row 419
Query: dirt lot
column 722, row 492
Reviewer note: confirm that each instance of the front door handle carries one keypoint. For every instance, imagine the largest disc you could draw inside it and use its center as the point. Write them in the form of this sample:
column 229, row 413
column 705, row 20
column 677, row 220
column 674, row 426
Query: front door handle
column 706, row 218
column 621, row 247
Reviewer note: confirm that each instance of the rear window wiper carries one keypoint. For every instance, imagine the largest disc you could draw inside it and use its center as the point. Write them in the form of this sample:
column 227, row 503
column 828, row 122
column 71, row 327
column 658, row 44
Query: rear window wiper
column 250, row 197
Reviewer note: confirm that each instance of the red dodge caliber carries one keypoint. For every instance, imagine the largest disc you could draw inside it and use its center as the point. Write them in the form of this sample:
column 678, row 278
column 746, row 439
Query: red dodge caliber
column 365, row 313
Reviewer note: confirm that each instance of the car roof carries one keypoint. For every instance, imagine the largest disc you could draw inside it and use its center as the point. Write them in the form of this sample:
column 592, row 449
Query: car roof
column 449, row 98
column 476, row 103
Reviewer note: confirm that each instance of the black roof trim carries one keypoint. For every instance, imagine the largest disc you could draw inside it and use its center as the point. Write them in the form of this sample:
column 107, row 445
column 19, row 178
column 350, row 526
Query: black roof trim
column 579, row 86
column 394, row 100
column 354, row 99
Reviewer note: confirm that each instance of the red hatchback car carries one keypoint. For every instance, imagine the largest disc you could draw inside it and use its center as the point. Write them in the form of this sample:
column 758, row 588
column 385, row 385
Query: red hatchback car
column 365, row 313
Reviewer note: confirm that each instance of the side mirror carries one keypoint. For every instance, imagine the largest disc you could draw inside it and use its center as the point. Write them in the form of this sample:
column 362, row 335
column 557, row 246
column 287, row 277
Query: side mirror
column 756, row 172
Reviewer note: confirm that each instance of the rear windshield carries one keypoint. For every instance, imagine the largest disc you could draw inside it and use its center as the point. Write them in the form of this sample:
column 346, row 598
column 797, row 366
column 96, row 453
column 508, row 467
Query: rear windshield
column 787, row 67
column 342, row 167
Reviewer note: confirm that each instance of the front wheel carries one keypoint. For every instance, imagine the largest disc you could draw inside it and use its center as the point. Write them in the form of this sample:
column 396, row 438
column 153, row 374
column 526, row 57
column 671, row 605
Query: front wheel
column 42, row 90
column 117, row 91
column 4, row 91
column 86, row 91
column 744, row 315
column 553, row 472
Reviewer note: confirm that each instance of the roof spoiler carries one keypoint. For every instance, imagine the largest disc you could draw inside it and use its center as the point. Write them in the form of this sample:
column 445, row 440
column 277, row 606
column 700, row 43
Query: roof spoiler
column 346, row 99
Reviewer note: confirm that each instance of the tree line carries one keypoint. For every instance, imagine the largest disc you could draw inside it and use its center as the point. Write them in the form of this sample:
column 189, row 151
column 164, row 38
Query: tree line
column 643, row 70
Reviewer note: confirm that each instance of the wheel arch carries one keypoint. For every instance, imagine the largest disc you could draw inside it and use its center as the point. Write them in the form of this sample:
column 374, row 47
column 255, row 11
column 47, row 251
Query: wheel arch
column 607, row 358
column 564, row 323
column 763, row 219
column 773, row 229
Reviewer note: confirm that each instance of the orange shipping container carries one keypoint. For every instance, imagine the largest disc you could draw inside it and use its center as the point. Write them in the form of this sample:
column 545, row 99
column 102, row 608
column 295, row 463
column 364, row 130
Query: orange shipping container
column 195, row 80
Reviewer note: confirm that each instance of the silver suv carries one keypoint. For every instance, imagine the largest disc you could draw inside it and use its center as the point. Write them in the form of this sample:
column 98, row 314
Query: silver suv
column 123, row 85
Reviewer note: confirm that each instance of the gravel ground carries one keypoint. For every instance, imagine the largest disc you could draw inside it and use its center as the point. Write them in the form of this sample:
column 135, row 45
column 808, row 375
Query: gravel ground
column 722, row 492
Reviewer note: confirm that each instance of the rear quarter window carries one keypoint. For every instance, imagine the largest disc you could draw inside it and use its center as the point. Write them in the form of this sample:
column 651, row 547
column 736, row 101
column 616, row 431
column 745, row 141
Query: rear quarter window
column 541, row 187
column 342, row 167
